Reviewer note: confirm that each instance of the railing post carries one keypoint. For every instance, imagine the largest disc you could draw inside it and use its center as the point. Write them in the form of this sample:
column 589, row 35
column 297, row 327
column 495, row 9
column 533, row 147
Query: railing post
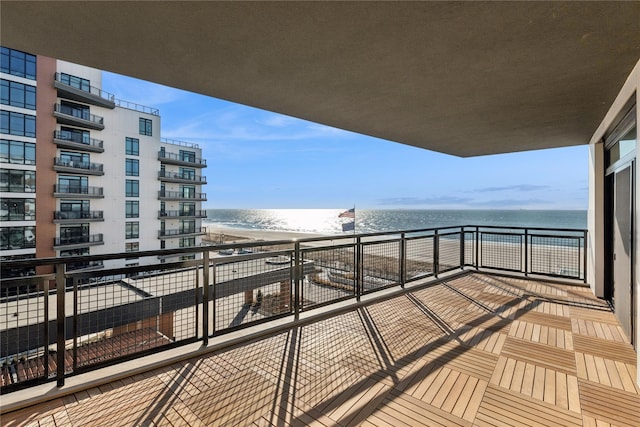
column 526, row 251
column 60, row 323
column 403, row 260
column 477, row 260
column 45, row 292
column 436, row 254
column 197, row 298
column 462, row 248
column 584, row 255
column 297, row 280
column 359, row 268
column 205, row 297
column 75, row 324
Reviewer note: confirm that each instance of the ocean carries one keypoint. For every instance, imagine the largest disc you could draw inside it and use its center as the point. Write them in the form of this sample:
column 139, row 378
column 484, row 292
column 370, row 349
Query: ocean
column 326, row 221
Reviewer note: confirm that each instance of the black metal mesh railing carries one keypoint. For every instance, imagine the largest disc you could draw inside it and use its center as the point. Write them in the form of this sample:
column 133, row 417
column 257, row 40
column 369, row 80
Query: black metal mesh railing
column 26, row 330
column 501, row 251
column 251, row 288
column 419, row 255
column 380, row 265
column 331, row 275
column 80, row 317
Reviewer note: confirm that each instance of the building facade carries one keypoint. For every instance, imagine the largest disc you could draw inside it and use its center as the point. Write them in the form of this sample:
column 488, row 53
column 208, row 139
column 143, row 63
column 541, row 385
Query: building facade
column 83, row 173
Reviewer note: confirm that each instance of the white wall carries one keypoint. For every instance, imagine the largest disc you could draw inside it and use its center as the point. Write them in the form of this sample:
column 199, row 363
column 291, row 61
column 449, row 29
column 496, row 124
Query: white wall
column 629, row 91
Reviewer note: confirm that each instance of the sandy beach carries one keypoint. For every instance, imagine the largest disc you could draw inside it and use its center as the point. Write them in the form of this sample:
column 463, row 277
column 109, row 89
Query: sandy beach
column 217, row 234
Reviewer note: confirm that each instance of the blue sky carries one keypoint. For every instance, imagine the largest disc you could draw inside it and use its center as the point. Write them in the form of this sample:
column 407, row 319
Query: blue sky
column 259, row 159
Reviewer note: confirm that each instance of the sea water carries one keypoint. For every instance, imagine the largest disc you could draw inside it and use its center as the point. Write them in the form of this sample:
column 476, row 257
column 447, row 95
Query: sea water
column 326, row 221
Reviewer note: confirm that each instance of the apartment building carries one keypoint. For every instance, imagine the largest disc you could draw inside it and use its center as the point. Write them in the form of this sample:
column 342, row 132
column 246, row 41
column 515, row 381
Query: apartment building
column 83, row 173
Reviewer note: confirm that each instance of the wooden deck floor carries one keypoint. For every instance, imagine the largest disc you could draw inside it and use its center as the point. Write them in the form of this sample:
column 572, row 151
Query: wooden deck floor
column 478, row 350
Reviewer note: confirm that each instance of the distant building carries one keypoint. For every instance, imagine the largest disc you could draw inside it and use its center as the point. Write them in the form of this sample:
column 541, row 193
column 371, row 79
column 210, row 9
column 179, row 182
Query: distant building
column 82, row 173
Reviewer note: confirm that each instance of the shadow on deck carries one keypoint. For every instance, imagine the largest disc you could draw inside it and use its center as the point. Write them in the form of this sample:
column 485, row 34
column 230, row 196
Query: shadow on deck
column 473, row 350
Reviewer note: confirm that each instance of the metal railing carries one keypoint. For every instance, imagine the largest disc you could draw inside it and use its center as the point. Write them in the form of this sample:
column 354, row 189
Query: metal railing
column 181, row 195
column 163, row 155
column 75, row 240
column 137, row 107
column 182, row 232
column 119, row 311
column 61, row 215
column 79, row 114
column 78, row 189
column 180, row 143
column 196, row 179
column 182, row 214
column 88, row 166
column 80, row 139
column 86, row 88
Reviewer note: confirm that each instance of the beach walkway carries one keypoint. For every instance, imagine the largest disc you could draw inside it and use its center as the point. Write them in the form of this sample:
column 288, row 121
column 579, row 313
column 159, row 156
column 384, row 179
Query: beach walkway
column 473, row 350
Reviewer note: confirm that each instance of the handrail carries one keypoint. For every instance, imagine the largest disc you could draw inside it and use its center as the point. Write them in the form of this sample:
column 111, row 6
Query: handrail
column 181, row 143
column 68, row 136
column 91, row 89
column 137, row 107
column 331, row 268
column 176, row 175
column 175, row 157
column 79, row 114
column 58, row 161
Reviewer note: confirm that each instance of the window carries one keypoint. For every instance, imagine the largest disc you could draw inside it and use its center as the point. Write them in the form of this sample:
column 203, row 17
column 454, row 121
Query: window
column 73, row 184
column 163, row 244
column 188, row 156
column 187, row 208
column 74, row 209
column 17, row 181
column 73, row 234
column 17, row 152
column 146, row 127
column 17, row 63
column 17, row 94
column 77, row 82
column 75, row 135
column 132, row 230
column 187, row 173
column 17, row 238
column 76, row 110
column 73, row 159
column 132, row 247
column 188, row 191
column 132, row 209
column 187, row 226
column 187, row 242
column 132, row 188
column 17, row 209
column 132, row 146
column 18, row 124
column 132, row 167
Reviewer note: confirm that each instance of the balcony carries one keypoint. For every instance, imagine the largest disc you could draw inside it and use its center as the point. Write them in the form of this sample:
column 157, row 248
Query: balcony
column 182, row 214
column 77, row 241
column 74, row 117
column 77, row 142
column 179, row 195
column 84, row 168
column 398, row 328
column 77, row 192
column 168, row 234
column 67, row 217
column 180, row 178
column 175, row 159
column 89, row 94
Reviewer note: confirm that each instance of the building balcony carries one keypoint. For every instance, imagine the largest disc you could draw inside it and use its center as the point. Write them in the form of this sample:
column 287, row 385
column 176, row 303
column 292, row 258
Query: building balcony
column 417, row 330
column 180, row 178
column 76, row 142
column 182, row 214
column 176, row 159
column 169, row 234
column 88, row 168
column 88, row 95
column 77, row 192
column 179, row 195
column 78, row 241
column 71, row 116
column 66, row 217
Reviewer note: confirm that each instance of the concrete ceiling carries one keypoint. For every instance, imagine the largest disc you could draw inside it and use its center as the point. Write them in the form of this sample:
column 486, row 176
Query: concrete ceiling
column 461, row 78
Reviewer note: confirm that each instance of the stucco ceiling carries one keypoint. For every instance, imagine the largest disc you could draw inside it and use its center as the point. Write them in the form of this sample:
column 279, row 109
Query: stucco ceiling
column 461, row 78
